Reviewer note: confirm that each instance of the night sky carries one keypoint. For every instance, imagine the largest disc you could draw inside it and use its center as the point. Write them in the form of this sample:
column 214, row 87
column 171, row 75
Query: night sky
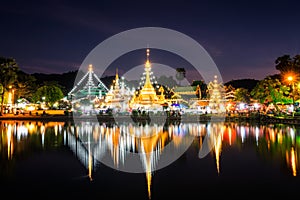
column 244, row 38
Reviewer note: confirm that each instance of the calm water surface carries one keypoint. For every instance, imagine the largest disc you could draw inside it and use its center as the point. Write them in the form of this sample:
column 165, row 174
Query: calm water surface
column 61, row 159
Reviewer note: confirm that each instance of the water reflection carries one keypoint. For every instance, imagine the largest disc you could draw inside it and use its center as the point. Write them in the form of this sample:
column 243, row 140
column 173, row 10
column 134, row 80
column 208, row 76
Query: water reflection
column 16, row 136
column 120, row 145
column 93, row 142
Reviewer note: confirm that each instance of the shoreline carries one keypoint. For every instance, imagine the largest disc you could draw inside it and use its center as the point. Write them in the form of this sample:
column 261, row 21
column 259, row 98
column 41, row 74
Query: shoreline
column 262, row 119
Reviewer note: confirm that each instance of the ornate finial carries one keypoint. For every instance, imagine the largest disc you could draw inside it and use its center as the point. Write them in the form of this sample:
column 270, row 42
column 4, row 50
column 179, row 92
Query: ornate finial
column 147, row 65
column 117, row 75
column 148, row 54
column 90, row 67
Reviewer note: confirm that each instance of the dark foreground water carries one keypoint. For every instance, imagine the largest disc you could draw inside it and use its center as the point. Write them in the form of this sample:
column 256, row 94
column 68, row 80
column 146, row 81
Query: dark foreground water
column 54, row 160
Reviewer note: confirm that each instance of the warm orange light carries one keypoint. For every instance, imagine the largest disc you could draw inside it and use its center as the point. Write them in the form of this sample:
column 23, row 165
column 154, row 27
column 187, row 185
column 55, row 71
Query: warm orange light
column 293, row 160
column 290, row 78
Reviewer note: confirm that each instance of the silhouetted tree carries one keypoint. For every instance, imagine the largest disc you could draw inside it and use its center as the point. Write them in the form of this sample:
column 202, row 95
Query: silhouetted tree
column 8, row 76
column 26, row 85
column 167, row 81
column 286, row 64
column 180, row 74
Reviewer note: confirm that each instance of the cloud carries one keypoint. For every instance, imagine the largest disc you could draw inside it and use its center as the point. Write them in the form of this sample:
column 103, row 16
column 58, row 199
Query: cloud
column 214, row 51
column 49, row 66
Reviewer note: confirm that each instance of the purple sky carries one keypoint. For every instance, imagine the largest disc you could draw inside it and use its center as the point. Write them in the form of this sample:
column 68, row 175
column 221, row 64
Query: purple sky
column 244, row 38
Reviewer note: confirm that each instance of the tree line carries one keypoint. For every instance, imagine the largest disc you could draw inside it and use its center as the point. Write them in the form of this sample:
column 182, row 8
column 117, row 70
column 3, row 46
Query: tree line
column 278, row 88
column 25, row 85
column 273, row 88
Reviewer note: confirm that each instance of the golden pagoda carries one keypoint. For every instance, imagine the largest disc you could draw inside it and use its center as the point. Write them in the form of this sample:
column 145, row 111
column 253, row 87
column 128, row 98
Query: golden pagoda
column 147, row 96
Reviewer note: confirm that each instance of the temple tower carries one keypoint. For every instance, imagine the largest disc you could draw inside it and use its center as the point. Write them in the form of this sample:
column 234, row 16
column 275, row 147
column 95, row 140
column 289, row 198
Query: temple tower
column 147, row 96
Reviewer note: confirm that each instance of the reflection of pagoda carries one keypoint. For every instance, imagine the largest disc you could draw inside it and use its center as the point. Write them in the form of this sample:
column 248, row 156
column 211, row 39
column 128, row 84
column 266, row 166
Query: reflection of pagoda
column 151, row 148
column 118, row 95
column 102, row 141
column 147, row 96
column 215, row 135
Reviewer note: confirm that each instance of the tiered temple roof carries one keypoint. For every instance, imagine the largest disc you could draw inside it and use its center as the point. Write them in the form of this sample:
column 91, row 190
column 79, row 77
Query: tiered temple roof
column 147, row 97
column 118, row 95
column 88, row 87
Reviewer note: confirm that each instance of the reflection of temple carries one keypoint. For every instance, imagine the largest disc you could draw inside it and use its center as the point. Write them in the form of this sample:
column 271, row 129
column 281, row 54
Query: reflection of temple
column 118, row 142
column 118, row 95
column 147, row 97
column 216, row 133
column 150, row 146
column 89, row 142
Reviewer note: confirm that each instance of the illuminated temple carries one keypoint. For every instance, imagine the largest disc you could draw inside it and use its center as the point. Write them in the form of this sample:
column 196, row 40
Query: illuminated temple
column 147, row 97
column 86, row 88
column 118, row 95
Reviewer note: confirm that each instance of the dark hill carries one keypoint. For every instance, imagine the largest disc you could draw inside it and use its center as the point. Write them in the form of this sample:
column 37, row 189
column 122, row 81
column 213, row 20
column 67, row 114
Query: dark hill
column 66, row 80
column 243, row 83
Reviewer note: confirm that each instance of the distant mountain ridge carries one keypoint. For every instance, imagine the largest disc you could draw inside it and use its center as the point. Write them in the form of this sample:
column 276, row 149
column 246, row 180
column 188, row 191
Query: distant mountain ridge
column 246, row 83
column 66, row 80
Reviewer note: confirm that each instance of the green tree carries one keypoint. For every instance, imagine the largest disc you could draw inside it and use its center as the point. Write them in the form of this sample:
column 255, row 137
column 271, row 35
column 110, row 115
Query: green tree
column 202, row 88
column 49, row 94
column 242, row 94
column 8, row 76
column 270, row 90
column 167, row 81
column 180, row 74
column 26, row 86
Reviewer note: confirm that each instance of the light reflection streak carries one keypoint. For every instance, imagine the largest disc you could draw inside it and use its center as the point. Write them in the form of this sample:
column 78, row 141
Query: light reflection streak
column 22, row 131
column 42, row 131
column 243, row 134
column 217, row 149
column 10, row 144
column 292, row 133
column 15, row 133
column 256, row 135
column 115, row 140
column 293, row 161
column 90, row 168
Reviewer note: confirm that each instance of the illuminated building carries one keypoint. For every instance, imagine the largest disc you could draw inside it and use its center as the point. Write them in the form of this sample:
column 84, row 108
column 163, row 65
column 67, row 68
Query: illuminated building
column 147, row 97
column 216, row 96
column 89, row 90
column 118, row 95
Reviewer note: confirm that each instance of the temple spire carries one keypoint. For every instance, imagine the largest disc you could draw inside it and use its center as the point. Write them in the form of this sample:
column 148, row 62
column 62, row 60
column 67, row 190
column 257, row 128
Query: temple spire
column 148, row 54
column 147, row 95
column 117, row 75
column 148, row 83
column 147, row 64
column 90, row 68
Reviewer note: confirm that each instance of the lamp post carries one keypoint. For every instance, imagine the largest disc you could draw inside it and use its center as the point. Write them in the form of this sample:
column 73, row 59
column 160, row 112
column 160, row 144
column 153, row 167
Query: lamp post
column 291, row 83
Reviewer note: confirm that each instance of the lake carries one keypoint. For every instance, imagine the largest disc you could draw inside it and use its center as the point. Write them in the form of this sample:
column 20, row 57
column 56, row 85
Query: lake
column 130, row 160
